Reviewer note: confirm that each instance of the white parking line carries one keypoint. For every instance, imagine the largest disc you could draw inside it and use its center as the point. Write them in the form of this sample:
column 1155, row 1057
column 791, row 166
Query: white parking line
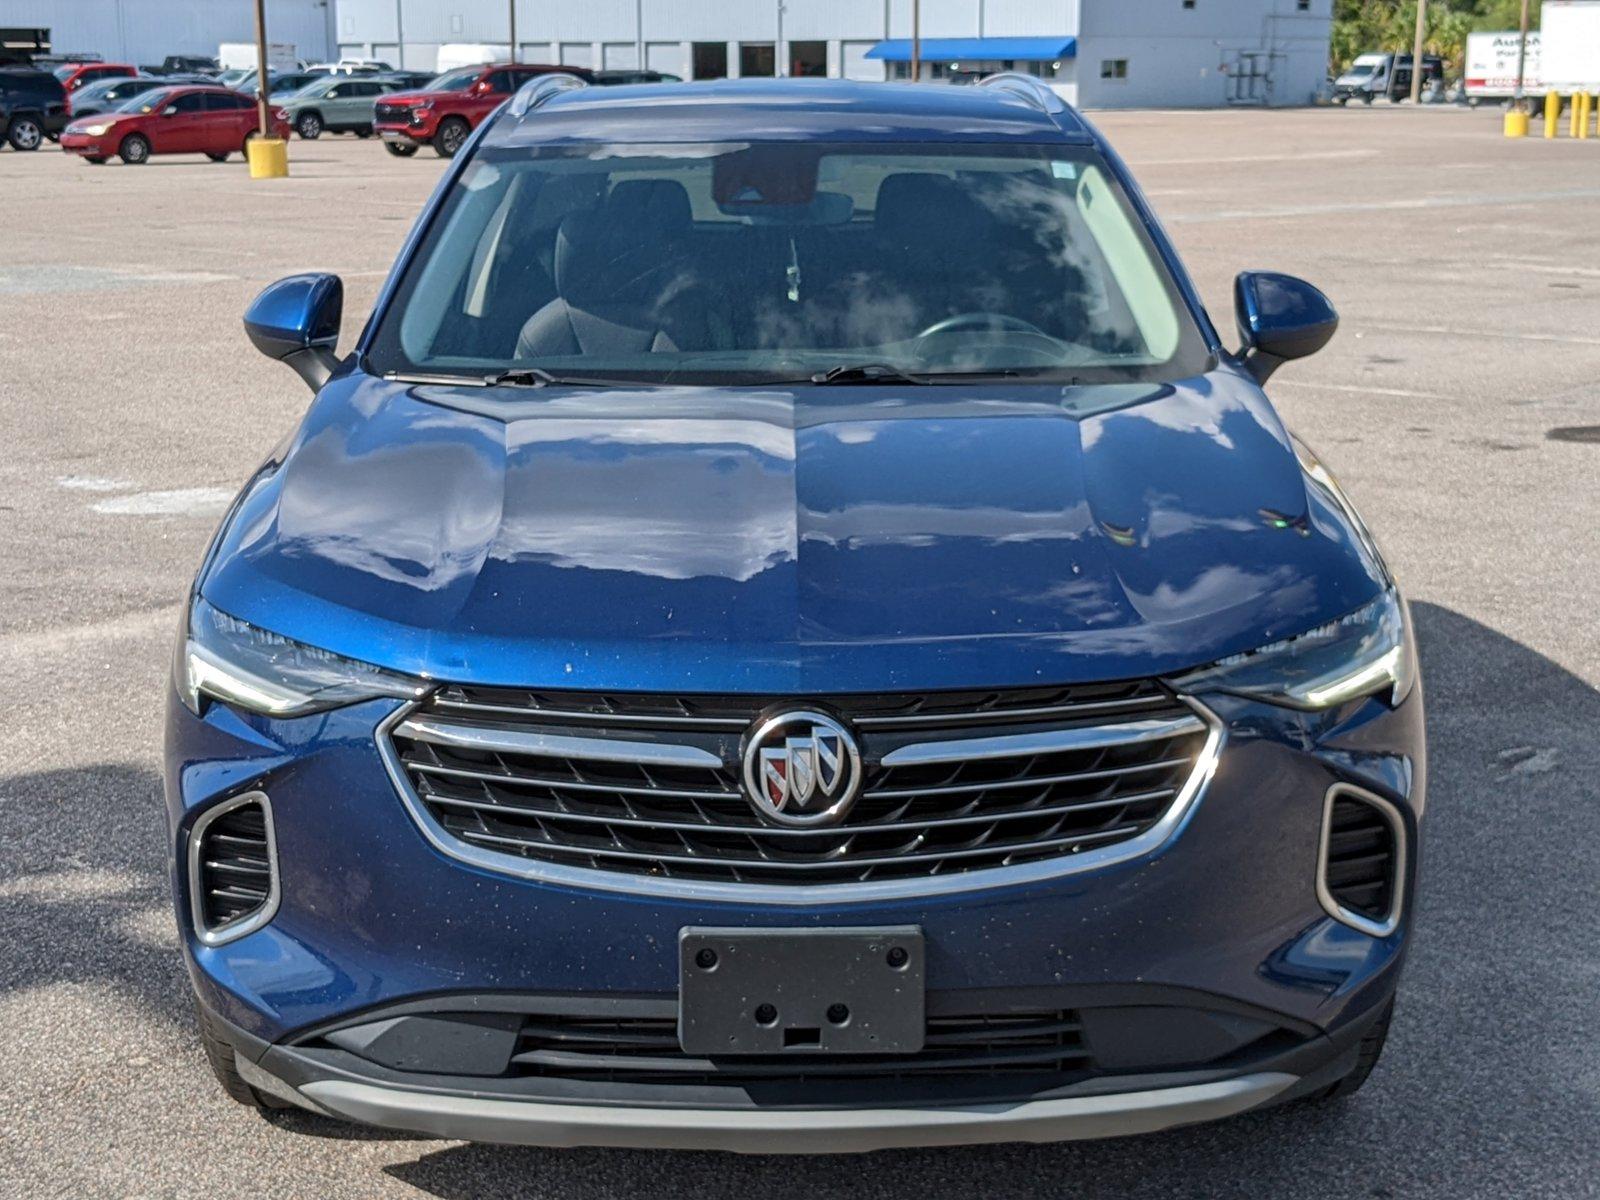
column 94, row 483
column 177, row 502
column 67, row 637
column 1501, row 200
column 1360, row 389
column 1250, row 158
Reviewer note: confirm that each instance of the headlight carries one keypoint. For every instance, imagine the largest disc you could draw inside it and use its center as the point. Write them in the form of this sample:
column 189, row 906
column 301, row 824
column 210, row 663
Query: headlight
column 251, row 668
column 1365, row 653
column 94, row 130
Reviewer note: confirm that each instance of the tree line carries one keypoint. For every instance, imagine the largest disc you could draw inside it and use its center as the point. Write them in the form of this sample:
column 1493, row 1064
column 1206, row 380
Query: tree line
column 1362, row 26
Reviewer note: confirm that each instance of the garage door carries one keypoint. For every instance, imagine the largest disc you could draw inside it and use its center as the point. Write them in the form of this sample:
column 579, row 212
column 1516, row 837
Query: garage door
column 856, row 64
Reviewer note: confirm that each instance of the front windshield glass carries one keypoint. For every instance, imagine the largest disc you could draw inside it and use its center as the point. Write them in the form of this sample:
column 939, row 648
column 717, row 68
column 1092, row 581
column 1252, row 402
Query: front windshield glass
column 778, row 261
column 145, row 102
column 453, row 81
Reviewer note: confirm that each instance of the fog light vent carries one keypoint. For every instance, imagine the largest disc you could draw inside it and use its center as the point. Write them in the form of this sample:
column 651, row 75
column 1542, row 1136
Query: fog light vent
column 1361, row 868
column 233, row 869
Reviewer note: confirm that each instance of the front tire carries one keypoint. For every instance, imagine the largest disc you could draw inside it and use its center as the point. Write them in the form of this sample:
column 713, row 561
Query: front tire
column 450, row 137
column 98, row 160
column 135, row 150
column 309, row 126
column 222, row 157
column 400, row 149
column 25, row 134
column 219, row 1057
column 1372, row 1043
column 363, row 133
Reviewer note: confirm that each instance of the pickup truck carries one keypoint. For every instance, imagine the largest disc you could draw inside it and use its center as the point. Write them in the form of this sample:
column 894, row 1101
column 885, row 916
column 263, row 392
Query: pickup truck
column 442, row 114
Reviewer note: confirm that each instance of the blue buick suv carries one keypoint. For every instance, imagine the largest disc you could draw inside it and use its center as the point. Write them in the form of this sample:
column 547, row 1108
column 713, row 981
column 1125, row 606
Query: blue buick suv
column 791, row 632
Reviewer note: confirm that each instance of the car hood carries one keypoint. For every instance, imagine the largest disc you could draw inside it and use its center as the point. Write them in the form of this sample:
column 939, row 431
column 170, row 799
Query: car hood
column 788, row 540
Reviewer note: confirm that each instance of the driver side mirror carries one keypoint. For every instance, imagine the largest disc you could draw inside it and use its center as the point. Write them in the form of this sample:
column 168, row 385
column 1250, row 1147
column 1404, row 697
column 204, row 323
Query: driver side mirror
column 1280, row 317
column 296, row 321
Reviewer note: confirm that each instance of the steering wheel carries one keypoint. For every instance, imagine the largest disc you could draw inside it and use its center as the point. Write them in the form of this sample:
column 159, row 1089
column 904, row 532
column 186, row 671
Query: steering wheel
column 982, row 320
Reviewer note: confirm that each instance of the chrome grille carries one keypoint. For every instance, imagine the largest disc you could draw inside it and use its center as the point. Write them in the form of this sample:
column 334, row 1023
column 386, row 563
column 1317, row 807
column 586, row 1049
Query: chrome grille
column 648, row 785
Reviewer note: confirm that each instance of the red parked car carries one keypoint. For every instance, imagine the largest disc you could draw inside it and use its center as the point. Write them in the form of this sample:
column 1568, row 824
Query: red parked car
column 74, row 75
column 448, row 109
column 208, row 119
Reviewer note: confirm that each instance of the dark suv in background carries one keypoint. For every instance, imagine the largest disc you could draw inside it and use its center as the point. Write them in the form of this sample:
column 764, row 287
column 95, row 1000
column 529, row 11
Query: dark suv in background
column 33, row 106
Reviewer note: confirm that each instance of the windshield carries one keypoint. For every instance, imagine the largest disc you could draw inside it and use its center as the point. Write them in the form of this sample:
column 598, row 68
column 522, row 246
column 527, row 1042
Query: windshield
column 144, row 102
column 454, row 81
column 765, row 262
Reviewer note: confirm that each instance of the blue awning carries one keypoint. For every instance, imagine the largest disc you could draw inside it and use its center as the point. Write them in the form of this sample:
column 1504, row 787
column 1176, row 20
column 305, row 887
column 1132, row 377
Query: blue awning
column 1037, row 49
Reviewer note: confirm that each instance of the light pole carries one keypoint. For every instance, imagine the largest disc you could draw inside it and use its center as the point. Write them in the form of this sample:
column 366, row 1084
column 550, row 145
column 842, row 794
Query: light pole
column 1416, row 51
column 780, row 66
column 511, row 9
column 1522, row 57
column 916, row 40
column 261, row 68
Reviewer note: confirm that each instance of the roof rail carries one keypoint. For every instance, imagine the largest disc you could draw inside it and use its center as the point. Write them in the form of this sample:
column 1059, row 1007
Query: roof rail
column 1028, row 88
column 540, row 88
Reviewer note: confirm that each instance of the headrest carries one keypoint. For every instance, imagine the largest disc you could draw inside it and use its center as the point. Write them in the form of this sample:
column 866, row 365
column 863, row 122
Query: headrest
column 934, row 214
column 659, row 203
column 563, row 195
column 621, row 252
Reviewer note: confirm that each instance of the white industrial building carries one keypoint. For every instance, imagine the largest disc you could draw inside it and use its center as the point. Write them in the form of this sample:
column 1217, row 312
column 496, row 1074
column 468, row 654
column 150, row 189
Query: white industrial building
column 1097, row 53
column 146, row 31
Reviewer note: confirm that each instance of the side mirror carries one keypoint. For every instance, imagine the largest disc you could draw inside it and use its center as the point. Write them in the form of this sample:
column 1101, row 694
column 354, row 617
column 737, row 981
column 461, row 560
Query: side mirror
column 296, row 321
column 1280, row 317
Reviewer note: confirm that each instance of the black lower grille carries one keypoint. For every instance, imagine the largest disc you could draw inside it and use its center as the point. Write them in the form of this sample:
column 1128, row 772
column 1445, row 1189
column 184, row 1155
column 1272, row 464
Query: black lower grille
column 391, row 112
column 1361, row 858
column 642, row 1050
column 234, row 871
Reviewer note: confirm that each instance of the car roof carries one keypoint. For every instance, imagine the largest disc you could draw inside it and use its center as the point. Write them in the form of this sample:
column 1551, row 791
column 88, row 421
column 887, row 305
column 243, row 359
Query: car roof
column 822, row 110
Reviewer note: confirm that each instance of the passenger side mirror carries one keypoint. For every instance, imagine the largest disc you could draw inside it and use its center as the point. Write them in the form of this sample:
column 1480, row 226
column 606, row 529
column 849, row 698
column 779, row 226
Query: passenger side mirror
column 1280, row 317
column 296, row 321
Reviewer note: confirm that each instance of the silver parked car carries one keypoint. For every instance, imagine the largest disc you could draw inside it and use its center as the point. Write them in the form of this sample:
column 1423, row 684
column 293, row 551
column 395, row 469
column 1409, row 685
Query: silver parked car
column 337, row 104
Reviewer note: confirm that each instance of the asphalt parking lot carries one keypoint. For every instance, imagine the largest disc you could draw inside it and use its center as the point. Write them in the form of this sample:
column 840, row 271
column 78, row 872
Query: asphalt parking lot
column 1467, row 268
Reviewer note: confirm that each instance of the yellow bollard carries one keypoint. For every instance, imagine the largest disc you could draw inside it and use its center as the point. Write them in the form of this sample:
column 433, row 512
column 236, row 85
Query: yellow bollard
column 269, row 157
column 1572, row 116
column 1516, row 123
column 1552, row 113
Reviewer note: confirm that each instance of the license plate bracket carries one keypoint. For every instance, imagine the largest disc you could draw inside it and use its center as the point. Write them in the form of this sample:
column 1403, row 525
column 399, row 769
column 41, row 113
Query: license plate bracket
column 801, row 991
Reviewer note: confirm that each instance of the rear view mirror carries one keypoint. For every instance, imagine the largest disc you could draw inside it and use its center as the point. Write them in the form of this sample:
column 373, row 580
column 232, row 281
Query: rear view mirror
column 1280, row 317
column 296, row 321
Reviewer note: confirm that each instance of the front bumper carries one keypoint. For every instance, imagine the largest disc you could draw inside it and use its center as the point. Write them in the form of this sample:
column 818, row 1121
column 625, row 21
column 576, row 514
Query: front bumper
column 87, row 145
column 1222, row 918
column 791, row 1132
column 482, row 1110
column 408, row 135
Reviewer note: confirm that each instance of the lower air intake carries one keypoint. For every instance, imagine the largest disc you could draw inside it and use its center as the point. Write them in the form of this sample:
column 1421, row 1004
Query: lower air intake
column 233, row 869
column 1363, row 855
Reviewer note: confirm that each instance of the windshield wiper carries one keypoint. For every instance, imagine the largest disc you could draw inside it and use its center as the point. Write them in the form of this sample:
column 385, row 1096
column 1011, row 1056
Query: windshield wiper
column 865, row 373
column 539, row 377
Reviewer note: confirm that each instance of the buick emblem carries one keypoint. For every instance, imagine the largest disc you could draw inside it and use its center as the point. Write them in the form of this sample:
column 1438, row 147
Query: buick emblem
column 802, row 768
